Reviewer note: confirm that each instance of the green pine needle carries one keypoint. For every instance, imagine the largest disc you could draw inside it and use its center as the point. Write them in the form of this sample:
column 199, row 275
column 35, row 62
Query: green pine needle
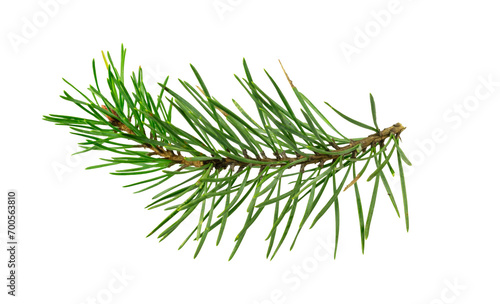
column 219, row 159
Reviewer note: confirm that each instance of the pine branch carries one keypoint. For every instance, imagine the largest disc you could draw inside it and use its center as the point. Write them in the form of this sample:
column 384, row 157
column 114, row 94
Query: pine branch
column 280, row 160
column 142, row 133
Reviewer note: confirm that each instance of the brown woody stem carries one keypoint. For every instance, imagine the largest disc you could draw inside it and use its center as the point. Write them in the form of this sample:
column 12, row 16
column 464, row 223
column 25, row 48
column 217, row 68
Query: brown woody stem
column 317, row 158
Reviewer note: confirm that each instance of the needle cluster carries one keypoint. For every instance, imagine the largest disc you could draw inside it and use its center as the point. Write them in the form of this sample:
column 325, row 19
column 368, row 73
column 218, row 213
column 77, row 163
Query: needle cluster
column 229, row 160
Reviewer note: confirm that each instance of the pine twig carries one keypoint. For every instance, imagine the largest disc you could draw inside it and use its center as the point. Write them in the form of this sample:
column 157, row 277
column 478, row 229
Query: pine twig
column 220, row 149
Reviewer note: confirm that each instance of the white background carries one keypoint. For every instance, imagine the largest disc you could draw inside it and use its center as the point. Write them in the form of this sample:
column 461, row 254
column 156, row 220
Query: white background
column 425, row 62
